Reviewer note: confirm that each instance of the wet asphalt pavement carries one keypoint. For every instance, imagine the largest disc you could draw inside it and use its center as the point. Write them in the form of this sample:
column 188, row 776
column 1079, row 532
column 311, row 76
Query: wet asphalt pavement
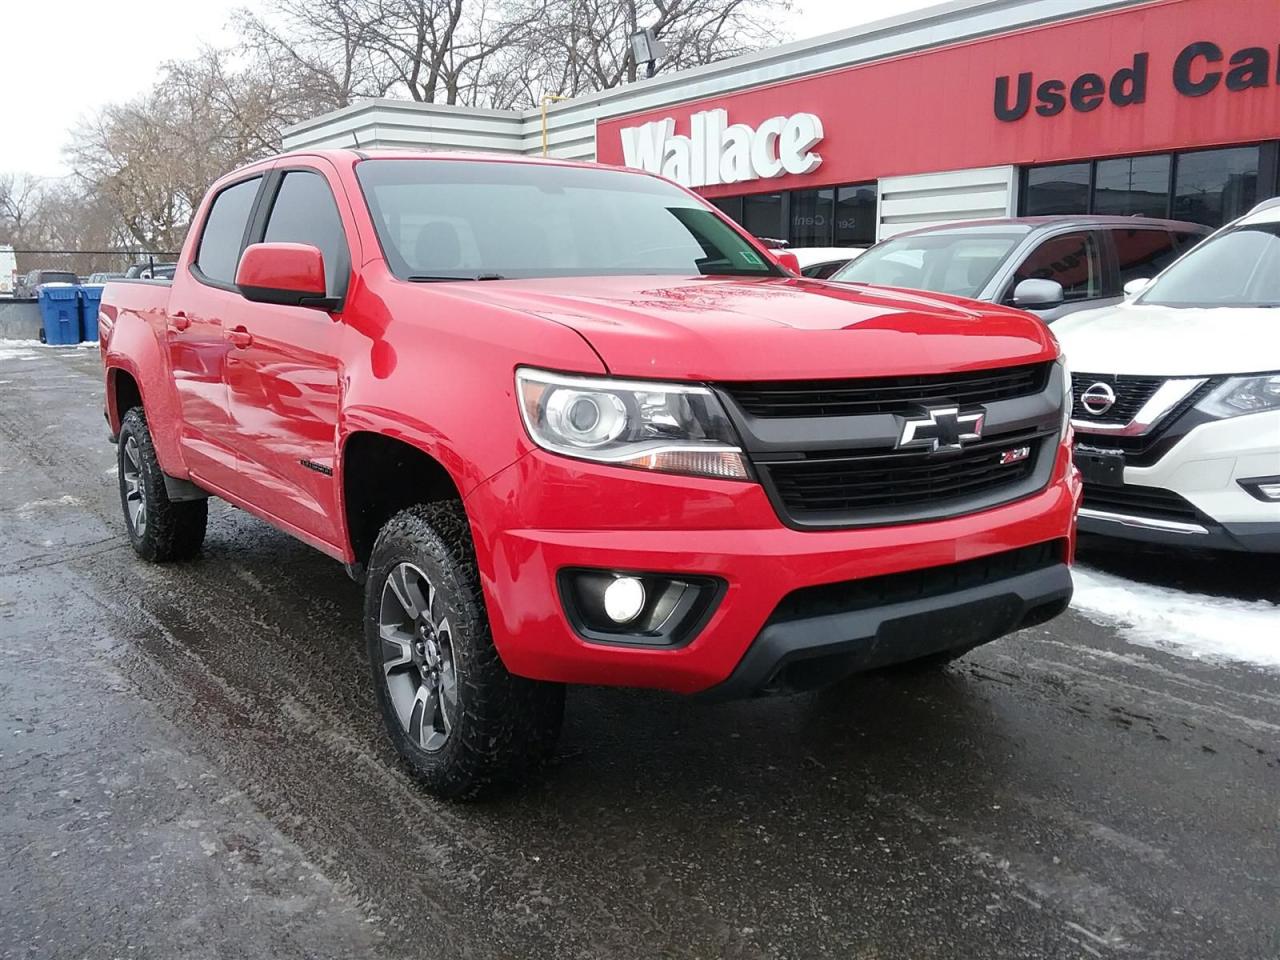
column 190, row 765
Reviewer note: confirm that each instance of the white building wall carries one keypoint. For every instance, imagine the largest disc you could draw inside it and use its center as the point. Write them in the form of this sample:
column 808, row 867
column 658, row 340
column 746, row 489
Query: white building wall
column 925, row 200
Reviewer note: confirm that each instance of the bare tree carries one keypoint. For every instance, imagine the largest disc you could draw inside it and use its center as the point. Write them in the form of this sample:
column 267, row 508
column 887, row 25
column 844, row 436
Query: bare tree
column 578, row 46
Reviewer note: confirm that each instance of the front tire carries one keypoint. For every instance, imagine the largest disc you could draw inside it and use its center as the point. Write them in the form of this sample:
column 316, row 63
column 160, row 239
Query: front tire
column 463, row 724
column 160, row 529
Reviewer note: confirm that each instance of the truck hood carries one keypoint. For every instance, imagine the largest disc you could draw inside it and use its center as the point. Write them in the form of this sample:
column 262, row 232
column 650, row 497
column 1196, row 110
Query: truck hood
column 714, row 328
column 1149, row 340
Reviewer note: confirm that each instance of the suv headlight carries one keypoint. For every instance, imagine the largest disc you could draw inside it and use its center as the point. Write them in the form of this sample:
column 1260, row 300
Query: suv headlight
column 667, row 427
column 1241, row 395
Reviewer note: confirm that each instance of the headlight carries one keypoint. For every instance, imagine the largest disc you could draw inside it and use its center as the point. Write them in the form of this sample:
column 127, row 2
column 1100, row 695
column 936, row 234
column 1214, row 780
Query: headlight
column 1241, row 395
column 668, row 427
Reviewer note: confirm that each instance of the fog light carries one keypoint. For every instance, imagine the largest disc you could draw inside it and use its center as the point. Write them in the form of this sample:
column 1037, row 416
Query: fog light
column 1266, row 489
column 624, row 599
column 630, row 607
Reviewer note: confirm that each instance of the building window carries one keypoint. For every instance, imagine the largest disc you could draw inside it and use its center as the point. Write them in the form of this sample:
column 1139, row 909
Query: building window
column 1211, row 187
column 812, row 213
column 731, row 207
column 1057, row 191
column 1132, row 186
column 856, row 215
column 762, row 216
column 1216, row 186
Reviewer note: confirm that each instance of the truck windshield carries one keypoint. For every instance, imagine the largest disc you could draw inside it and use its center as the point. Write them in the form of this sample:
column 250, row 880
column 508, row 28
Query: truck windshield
column 487, row 220
column 955, row 262
column 1240, row 268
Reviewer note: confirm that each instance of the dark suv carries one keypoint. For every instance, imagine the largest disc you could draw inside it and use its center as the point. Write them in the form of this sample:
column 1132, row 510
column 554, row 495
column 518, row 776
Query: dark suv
column 1050, row 265
column 30, row 283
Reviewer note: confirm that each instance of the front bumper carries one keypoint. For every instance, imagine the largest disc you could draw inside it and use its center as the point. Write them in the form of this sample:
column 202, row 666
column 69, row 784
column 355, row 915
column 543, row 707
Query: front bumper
column 1204, row 469
column 546, row 513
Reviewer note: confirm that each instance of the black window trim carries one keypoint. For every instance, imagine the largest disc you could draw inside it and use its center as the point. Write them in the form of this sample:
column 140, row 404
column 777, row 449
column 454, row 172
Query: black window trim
column 261, row 216
column 193, row 266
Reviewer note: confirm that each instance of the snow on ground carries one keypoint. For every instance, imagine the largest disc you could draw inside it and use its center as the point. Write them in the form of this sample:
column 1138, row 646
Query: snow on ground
column 19, row 349
column 1191, row 625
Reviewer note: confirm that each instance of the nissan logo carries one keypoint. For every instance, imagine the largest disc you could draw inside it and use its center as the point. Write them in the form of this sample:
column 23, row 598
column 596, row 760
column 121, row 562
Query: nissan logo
column 1098, row 399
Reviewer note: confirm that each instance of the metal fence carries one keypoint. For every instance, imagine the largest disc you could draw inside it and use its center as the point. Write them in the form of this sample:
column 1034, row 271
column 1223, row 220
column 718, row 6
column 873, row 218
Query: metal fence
column 86, row 263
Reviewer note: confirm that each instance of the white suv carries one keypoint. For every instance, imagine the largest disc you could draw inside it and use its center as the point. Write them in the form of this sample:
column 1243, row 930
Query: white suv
column 1177, row 397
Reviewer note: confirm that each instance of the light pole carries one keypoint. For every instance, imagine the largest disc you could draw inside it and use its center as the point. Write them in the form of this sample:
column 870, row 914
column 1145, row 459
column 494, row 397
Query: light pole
column 647, row 49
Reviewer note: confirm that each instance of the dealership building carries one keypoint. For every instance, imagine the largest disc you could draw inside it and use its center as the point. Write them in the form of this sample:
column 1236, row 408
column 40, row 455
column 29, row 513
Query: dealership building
column 970, row 109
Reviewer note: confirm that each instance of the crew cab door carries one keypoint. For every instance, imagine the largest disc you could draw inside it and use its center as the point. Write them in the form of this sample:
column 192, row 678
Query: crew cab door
column 282, row 371
column 202, row 305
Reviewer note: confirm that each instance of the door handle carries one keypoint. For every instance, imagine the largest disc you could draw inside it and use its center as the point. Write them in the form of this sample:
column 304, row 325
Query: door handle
column 239, row 337
column 180, row 320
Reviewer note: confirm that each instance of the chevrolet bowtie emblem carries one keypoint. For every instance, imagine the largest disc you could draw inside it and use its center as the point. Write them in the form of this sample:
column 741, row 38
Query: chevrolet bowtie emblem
column 941, row 428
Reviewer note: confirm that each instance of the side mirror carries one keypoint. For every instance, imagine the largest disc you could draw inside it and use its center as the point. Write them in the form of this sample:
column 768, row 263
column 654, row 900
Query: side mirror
column 290, row 274
column 1135, row 287
column 1036, row 294
column 787, row 261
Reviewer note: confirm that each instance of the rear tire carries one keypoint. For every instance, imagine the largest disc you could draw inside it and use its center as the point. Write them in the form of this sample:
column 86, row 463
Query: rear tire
column 160, row 529
column 464, row 726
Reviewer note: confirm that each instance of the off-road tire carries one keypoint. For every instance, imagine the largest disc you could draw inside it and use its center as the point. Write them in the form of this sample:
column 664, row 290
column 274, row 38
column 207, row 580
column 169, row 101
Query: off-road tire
column 174, row 530
column 503, row 726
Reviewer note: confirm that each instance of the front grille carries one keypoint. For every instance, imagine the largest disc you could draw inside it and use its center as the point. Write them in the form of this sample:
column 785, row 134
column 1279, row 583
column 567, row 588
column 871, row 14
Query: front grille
column 849, row 398
column 1145, row 449
column 840, row 488
column 874, row 592
column 1132, row 394
column 1138, row 501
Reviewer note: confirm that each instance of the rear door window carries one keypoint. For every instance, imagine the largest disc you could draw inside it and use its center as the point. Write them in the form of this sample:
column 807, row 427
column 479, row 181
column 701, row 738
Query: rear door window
column 305, row 212
column 1071, row 259
column 224, row 228
column 1143, row 253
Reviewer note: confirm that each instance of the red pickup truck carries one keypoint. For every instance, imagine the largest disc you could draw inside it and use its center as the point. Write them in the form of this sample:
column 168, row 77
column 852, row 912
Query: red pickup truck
column 568, row 424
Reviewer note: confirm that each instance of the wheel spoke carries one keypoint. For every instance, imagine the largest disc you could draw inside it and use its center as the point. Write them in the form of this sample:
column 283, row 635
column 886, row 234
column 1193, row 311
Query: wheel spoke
column 448, row 697
column 422, row 717
column 403, row 583
column 397, row 647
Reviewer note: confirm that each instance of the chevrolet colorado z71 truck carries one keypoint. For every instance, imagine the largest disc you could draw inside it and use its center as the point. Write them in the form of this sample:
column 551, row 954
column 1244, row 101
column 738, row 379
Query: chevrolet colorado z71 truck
column 568, row 424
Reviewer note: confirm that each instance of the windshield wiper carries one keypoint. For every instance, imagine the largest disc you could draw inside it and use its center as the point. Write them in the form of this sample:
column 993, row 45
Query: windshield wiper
column 426, row 278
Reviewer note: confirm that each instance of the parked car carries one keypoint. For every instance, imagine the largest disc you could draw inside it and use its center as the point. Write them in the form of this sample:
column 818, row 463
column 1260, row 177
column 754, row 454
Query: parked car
column 1051, row 266
column 103, row 277
column 820, row 263
column 30, row 283
column 569, row 424
column 1177, row 398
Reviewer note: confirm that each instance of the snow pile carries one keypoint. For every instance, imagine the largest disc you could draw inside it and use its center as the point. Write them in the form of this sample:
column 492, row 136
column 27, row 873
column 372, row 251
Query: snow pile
column 1191, row 625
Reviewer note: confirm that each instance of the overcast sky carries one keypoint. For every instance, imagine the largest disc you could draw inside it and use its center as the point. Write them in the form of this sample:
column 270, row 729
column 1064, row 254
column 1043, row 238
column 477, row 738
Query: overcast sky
column 96, row 57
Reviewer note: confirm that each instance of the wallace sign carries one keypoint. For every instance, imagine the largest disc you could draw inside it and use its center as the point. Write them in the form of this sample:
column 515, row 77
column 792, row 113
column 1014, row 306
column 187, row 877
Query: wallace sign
column 1200, row 69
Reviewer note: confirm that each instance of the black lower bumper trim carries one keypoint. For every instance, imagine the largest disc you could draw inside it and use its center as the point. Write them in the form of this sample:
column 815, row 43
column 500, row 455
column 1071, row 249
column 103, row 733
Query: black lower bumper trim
column 802, row 654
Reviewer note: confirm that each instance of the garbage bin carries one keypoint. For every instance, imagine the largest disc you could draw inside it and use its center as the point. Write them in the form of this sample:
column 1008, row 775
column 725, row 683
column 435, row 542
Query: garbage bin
column 90, row 299
column 60, row 313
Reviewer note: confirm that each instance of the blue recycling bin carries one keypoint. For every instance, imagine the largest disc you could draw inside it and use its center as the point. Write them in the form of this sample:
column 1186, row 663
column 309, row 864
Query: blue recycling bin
column 60, row 313
column 90, row 300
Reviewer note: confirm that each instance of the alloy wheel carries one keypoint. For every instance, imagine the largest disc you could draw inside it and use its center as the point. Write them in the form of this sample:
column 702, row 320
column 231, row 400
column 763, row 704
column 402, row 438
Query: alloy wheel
column 417, row 657
column 135, row 494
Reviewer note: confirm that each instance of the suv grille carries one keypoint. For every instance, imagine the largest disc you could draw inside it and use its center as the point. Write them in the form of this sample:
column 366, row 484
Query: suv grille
column 1132, row 394
column 848, row 398
column 1147, row 448
column 1138, row 501
column 832, row 489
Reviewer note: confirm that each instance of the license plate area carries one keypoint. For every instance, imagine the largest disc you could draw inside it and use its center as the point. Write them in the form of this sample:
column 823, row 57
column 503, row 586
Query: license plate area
column 1103, row 467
